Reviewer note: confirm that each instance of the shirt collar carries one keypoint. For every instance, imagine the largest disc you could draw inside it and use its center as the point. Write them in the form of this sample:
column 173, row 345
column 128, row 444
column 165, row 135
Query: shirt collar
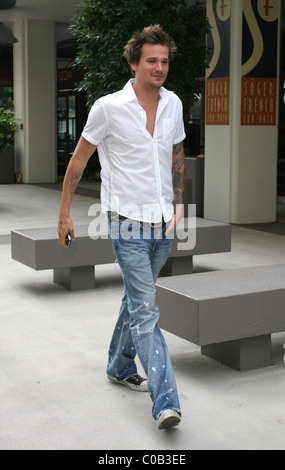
column 129, row 94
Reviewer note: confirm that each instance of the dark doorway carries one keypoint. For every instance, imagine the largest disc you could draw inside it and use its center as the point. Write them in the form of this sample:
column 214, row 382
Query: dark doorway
column 66, row 129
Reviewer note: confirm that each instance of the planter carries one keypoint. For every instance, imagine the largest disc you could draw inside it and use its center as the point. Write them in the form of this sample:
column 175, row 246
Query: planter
column 7, row 166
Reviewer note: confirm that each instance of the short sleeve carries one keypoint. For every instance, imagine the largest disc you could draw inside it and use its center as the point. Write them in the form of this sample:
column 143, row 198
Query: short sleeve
column 96, row 127
column 180, row 130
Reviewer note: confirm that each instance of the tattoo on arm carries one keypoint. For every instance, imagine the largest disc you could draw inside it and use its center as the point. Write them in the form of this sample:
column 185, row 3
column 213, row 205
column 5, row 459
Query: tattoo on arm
column 76, row 177
column 178, row 173
column 177, row 147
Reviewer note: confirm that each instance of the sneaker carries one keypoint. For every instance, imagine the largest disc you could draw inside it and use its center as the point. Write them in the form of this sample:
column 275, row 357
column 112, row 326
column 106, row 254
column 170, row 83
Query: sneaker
column 168, row 419
column 136, row 382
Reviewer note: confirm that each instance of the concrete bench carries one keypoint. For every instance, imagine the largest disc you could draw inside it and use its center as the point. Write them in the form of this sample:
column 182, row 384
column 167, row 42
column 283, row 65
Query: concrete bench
column 231, row 314
column 74, row 267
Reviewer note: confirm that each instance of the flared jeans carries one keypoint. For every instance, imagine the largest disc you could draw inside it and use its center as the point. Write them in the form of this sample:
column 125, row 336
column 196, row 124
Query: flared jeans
column 141, row 251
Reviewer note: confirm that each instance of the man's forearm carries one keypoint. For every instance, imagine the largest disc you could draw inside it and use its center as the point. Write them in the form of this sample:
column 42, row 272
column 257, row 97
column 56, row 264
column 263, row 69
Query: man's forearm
column 74, row 173
column 178, row 178
column 178, row 173
column 72, row 178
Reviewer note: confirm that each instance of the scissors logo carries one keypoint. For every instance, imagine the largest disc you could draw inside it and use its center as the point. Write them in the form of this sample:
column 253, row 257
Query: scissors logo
column 268, row 10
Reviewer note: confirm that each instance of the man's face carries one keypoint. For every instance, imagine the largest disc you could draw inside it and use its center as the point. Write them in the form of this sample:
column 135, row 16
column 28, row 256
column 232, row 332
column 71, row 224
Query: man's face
column 152, row 69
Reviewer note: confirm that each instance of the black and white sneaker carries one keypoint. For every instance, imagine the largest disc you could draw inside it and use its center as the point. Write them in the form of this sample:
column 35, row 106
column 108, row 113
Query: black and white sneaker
column 136, row 382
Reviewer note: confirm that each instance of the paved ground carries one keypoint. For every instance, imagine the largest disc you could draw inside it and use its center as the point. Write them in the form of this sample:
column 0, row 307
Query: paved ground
column 53, row 348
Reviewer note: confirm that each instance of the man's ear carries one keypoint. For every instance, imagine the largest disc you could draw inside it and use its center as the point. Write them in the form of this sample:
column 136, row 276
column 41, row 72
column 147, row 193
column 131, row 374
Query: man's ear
column 134, row 67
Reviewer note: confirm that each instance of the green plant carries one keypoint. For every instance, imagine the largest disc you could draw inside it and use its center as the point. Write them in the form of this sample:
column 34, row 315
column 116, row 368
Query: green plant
column 8, row 127
column 103, row 28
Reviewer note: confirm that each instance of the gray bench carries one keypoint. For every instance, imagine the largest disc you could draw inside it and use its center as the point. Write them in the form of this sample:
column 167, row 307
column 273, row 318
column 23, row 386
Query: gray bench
column 231, row 314
column 74, row 267
column 211, row 237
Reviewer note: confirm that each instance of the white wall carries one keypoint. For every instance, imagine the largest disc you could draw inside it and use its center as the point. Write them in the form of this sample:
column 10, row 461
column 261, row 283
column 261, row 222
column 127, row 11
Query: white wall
column 35, row 99
column 240, row 161
column 217, row 173
column 257, row 175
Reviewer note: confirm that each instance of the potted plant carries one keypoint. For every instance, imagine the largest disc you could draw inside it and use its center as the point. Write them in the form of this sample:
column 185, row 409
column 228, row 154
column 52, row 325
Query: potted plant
column 8, row 127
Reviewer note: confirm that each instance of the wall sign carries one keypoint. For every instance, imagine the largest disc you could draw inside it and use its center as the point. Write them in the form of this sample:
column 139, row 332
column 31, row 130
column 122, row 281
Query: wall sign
column 259, row 62
column 218, row 73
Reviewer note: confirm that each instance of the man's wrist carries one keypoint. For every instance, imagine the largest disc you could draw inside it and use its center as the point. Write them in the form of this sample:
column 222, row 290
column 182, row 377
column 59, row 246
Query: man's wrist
column 64, row 212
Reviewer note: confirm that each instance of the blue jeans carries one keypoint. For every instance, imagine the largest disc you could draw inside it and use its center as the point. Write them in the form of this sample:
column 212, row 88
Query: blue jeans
column 141, row 256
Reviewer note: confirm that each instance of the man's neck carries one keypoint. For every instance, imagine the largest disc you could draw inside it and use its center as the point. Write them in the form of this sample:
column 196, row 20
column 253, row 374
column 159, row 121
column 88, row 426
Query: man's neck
column 147, row 95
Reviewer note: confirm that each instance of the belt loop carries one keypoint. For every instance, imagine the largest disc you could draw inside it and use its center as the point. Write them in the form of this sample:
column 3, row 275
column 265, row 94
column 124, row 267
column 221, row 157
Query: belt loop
column 156, row 225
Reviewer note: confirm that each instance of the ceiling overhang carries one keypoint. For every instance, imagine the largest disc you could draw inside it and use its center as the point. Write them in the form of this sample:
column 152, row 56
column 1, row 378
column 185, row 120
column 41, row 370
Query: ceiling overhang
column 7, row 4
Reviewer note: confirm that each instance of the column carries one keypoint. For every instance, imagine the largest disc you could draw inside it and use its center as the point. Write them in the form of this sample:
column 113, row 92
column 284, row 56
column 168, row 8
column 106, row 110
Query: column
column 241, row 135
column 35, row 100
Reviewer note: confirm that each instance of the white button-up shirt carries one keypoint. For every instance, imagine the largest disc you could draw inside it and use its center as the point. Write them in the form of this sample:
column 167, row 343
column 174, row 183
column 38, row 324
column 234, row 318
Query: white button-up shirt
column 136, row 167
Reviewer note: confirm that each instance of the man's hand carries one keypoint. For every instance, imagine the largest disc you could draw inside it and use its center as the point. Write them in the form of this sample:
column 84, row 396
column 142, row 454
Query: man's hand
column 73, row 175
column 64, row 227
column 179, row 212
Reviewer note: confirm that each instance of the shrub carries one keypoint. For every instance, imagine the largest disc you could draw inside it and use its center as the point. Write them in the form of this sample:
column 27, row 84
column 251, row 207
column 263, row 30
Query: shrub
column 8, row 127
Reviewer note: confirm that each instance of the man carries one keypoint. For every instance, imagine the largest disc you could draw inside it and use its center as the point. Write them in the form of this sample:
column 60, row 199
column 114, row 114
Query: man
column 139, row 133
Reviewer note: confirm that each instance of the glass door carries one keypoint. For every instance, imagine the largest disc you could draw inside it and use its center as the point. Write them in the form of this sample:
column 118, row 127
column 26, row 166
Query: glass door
column 66, row 130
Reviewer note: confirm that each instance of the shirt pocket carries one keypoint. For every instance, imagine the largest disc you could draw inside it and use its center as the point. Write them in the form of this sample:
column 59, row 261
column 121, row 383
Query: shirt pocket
column 168, row 130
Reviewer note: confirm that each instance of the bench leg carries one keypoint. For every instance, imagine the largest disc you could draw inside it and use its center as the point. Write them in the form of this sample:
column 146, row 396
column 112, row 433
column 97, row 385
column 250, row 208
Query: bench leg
column 80, row 278
column 244, row 354
column 177, row 266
